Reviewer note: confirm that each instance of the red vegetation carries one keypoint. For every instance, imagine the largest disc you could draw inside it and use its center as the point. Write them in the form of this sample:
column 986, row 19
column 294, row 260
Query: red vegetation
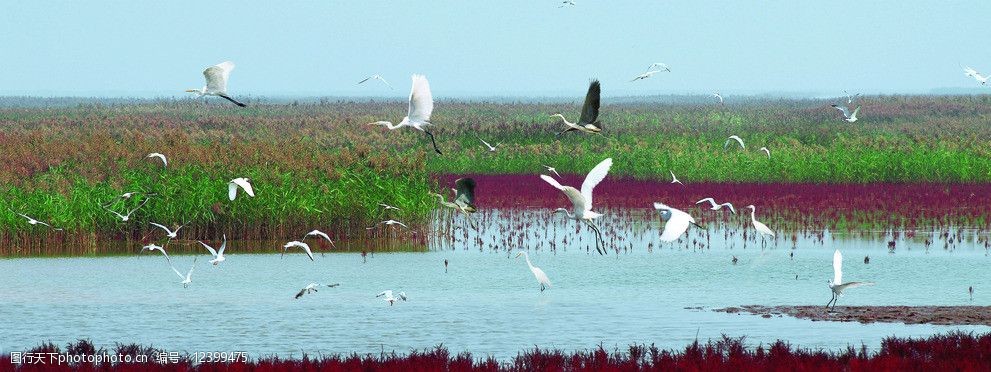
column 954, row 351
column 822, row 205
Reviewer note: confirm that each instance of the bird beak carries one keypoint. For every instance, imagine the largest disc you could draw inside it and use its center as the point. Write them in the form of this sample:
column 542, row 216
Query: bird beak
column 699, row 226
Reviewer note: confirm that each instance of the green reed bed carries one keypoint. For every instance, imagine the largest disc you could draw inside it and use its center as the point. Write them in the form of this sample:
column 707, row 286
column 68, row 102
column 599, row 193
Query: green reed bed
column 317, row 163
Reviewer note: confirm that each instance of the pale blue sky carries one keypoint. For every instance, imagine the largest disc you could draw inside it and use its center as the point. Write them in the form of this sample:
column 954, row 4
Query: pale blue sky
column 499, row 48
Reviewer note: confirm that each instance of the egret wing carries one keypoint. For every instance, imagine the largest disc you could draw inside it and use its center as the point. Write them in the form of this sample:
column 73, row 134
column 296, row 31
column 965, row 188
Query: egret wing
column 590, row 110
column 421, row 102
column 245, row 185
column 216, row 77
column 843, row 109
column 837, row 267
column 231, row 190
column 552, row 181
column 592, row 179
column 209, row 248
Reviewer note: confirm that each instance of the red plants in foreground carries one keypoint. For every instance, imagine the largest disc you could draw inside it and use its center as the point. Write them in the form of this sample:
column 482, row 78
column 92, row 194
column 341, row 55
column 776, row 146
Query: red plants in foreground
column 953, row 351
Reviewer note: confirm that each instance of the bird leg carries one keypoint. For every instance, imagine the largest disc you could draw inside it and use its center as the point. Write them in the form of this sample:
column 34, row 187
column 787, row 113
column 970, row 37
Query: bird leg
column 432, row 141
column 224, row 96
column 831, row 300
column 598, row 237
column 541, row 287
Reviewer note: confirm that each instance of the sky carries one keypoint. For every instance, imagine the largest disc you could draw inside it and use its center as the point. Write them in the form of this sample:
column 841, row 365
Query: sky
column 505, row 48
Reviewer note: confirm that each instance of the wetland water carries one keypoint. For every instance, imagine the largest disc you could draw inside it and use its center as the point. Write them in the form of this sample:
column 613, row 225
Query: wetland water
column 488, row 302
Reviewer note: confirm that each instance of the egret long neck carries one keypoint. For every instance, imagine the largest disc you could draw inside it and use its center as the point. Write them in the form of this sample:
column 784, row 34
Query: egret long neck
column 564, row 119
column 527, row 257
column 753, row 211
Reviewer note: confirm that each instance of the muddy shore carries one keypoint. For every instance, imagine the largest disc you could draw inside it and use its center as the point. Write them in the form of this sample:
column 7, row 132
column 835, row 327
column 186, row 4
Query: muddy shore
column 940, row 315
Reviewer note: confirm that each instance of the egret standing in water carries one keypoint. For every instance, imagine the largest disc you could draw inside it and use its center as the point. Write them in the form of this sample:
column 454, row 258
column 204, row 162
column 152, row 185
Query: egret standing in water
column 677, row 222
column 582, row 201
column 542, row 278
column 760, row 227
column 421, row 105
column 216, row 82
column 836, row 285
column 588, row 122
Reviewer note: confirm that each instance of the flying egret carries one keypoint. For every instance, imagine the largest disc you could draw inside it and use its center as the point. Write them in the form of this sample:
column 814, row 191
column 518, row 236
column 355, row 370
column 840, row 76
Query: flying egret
column 127, row 196
column 464, row 198
column 675, row 179
column 379, row 78
column 847, row 115
column 305, row 247
column 588, row 122
column 171, row 234
column 836, row 285
column 421, row 105
column 153, row 247
column 677, row 222
column 241, row 182
column 388, row 223
column 126, row 217
column 216, row 82
column 736, row 138
column 766, row 151
column 850, row 97
column 33, row 221
column 582, row 201
column 552, row 170
column 312, row 287
column 322, row 235
column 976, row 75
column 760, row 227
column 718, row 96
column 542, row 278
column 387, row 207
column 566, row 3
column 218, row 255
column 487, row 145
column 387, row 296
column 188, row 278
column 165, row 162
column 716, row 207
column 646, row 75
column 659, row 66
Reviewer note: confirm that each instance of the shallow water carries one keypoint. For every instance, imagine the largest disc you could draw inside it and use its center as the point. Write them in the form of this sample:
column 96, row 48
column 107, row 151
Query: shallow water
column 488, row 303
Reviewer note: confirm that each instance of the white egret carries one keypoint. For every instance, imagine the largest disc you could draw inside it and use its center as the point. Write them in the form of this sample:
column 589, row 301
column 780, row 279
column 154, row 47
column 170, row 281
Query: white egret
column 188, row 278
column 850, row 97
column 379, row 78
column 736, row 138
column 836, row 285
column 542, row 278
column 388, row 297
column 582, row 201
column 675, row 179
column 126, row 217
column 312, row 287
column 588, row 122
column 322, row 235
column 677, row 222
column 646, row 75
column 241, row 182
column 165, row 162
column 388, row 223
column 154, row 247
column 760, row 227
column 847, row 115
column 127, row 196
column 298, row 244
column 33, row 221
column 171, row 234
column 216, row 82
column 716, row 207
column 659, row 66
column 718, row 96
column 487, row 145
column 387, row 207
column 421, row 105
column 566, row 3
column 218, row 255
column 552, row 170
column 766, row 151
column 968, row 71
